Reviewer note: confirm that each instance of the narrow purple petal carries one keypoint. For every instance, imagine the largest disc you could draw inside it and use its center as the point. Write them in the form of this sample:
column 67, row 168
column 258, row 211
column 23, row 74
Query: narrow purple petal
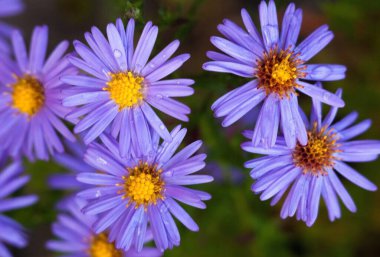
column 320, row 94
column 354, row 176
column 325, row 72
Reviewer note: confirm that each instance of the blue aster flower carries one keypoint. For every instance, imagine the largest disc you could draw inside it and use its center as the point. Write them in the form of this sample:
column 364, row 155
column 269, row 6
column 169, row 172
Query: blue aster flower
column 12, row 179
column 31, row 101
column 77, row 239
column 309, row 172
column 134, row 192
column 119, row 85
column 278, row 71
column 7, row 8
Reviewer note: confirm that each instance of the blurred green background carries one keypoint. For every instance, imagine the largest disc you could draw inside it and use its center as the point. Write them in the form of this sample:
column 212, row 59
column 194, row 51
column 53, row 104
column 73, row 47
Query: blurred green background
column 235, row 223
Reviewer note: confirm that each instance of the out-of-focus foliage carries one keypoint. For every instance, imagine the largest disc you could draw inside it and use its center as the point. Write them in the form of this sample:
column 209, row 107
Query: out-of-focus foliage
column 236, row 223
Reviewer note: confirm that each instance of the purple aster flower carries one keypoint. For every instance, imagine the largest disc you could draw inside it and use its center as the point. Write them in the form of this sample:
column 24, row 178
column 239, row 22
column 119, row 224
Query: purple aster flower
column 277, row 67
column 12, row 179
column 119, row 85
column 7, row 8
column 309, row 172
column 135, row 192
column 76, row 238
column 31, row 99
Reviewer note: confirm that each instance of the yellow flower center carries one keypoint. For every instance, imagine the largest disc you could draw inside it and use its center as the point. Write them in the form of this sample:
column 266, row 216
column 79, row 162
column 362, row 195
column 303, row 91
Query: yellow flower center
column 317, row 155
column 278, row 71
column 126, row 89
column 143, row 185
column 28, row 95
column 283, row 72
column 100, row 247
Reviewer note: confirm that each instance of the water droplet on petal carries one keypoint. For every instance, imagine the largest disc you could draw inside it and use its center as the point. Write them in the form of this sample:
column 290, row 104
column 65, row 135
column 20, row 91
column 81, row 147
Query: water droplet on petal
column 98, row 194
column 168, row 173
column 106, row 72
column 117, row 53
column 326, row 96
column 162, row 126
column 138, row 232
column 159, row 96
column 163, row 208
column 101, row 160
column 264, row 142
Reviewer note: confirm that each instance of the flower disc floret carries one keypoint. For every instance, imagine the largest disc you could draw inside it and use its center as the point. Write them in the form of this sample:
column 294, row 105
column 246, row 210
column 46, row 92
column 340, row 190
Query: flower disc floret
column 318, row 154
column 143, row 185
column 28, row 95
column 278, row 72
column 100, row 247
column 126, row 89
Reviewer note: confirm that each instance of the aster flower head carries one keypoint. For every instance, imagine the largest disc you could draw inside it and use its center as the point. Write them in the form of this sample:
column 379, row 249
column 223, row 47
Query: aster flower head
column 12, row 179
column 7, row 8
column 311, row 171
column 30, row 103
column 278, row 71
column 120, row 85
column 77, row 239
column 134, row 192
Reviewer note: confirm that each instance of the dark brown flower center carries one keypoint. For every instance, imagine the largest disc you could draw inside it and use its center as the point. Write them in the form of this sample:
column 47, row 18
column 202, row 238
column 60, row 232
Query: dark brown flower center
column 318, row 154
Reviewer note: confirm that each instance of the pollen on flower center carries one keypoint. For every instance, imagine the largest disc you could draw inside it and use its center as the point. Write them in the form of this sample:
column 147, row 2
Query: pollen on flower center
column 126, row 89
column 318, row 154
column 100, row 247
column 28, row 95
column 143, row 185
column 283, row 72
column 278, row 71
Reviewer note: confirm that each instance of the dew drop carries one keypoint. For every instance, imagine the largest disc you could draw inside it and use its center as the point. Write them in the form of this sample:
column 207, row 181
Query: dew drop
column 263, row 142
column 101, row 160
column 163, row 208
column 159, row 96
column 106, row 72
column 98, row 194
column 117, row 53
column 138, row 231
column 169, row 173
column 326, row 96
column 162, row 126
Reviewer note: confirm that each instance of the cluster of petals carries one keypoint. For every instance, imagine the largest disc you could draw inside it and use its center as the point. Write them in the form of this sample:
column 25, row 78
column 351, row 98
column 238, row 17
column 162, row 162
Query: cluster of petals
column 244, row 49
column 102, row 60
column 11, row 180
column 31, row 96
column 8, row 8
column 117, row 212
column 77, row 239
column 277, row 174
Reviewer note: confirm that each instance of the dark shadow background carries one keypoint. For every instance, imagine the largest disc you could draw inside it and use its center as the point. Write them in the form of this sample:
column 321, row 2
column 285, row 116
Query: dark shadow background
column 235, row 223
